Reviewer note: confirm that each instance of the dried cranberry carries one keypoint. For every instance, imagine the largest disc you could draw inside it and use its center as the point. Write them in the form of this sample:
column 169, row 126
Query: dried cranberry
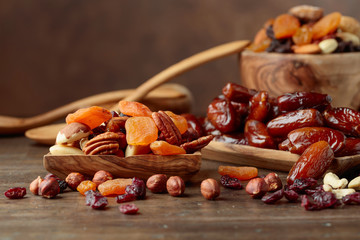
column 301, row 184
column 15, row 193
column 137, row 188
column 352, row 198
column 273, row 197
column 128, row 209
column 230, row 182
column 291, row 195
column 95, row 200
column 125, row 198
column 318, row 200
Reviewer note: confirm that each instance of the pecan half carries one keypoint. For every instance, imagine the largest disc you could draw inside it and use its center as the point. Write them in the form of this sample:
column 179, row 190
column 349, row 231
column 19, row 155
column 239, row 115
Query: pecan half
column 193, row 146
column 167, row 128
column 103, row 144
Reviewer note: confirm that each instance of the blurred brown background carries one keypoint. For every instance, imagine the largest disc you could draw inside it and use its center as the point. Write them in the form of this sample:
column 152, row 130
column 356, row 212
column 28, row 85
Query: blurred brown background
column 54, row 52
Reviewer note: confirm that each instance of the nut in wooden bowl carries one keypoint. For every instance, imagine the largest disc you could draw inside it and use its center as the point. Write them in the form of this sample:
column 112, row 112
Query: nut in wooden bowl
column 335, row 74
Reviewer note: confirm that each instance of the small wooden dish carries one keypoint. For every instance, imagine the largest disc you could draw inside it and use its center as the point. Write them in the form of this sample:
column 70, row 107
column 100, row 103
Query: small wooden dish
column 141, row 166
column 267, row 158
column 336, row 74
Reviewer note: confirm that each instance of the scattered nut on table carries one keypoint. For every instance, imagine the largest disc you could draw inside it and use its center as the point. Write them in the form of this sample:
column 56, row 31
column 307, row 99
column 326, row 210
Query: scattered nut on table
column 175, row 186
column 257, row 187
column 333, row 180
column 157, row 183
column 49, row 188
column 34, row 185
column 274, row 182
column 210, row 188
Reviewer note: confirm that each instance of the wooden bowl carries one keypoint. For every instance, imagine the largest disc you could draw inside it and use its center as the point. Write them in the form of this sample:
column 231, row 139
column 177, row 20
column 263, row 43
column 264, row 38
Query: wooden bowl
column 141, row 166
column 335, row 74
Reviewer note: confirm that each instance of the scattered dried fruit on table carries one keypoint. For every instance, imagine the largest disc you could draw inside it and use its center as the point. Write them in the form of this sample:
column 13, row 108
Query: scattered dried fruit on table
column 272, row 198
column 114, row 187
column 241, row 173
column 95, row 200
column 319, row 200
column 230, row 182
column 15, row 193
column 128, row 209
column 85, row 186
column 136, row 188
column 127, row 197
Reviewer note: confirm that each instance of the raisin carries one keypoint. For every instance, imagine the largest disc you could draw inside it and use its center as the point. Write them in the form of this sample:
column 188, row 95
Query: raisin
column 230, row 182
column 273, row 197
column 302, row 184
column 318, row 201
column 128, row 209
column 95, row 200
column 353, row 198
column 125, row 198
column 62, row 184
column 15, row 193
column 137, row 188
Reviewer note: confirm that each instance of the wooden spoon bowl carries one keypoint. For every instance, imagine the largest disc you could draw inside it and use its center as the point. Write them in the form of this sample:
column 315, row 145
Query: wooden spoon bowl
column 142, row 166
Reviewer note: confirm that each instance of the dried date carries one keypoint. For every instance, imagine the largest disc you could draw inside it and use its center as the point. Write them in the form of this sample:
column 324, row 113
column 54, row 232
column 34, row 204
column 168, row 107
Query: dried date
column 222, row 115
column 259, row 106
column 344, row 119
column 303, row 100
column 234, row 138
column 352, row 147
column 237, row 93
column 257, row 136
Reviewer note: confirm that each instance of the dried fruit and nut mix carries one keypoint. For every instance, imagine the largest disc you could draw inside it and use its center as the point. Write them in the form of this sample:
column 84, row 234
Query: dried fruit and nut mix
column 136, row 130
column 306, row 30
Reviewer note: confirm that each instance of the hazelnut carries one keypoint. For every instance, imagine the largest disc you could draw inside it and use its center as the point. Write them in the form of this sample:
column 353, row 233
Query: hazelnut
column 257, row 187
column 74, row 179
column 274, row 182
column 175, row 186
column 157, row 183
column 101, row 177
column 34, row 185
column 210, row 189
column 49, row 188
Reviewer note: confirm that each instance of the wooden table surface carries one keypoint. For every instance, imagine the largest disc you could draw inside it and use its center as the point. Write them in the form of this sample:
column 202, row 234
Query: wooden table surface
column 234, row 215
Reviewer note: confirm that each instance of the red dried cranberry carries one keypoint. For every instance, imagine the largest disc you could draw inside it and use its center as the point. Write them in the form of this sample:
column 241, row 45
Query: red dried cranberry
column 318, row 201
column 125, row 198
column 95, row 200
column 353, row 198
column 15, row 193
column 230, row 182
column 128, row 208
column 137, row 188
column 301, row 184
column 273, row 197
column 290, row 195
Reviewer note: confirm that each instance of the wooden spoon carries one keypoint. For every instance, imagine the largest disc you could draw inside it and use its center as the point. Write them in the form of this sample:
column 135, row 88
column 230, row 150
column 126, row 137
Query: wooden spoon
column 142, row 166
column 267, row 158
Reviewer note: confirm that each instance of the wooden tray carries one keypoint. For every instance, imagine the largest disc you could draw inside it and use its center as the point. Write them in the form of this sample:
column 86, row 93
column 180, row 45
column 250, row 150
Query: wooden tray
column 267, row 158
column 142, row 166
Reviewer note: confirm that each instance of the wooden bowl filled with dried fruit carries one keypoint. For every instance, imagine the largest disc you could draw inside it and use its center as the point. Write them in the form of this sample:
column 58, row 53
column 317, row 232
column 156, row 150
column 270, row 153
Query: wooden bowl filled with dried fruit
column 305, row 51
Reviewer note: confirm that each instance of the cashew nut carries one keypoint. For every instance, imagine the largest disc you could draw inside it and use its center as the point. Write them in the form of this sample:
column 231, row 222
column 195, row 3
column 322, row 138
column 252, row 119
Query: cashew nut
column 340, row 193
column 355, row 183
column 327, row 188
column 334, row 181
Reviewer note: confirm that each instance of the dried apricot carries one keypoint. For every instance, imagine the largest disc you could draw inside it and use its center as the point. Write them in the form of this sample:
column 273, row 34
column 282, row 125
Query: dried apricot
column 285, row 26
column 134, row 109
column 261, row 47
column 141, row 131
column 114, row 187
column 179, row 121
column 91, row 116
column 326, row 25
column 241, row 173
column 85, row 186
column 302, row 36
column 260, row 36
column 165, row 148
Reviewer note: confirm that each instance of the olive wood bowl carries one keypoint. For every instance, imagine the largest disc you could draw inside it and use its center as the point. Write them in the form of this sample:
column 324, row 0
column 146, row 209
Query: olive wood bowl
column 336, row 74
column 141, row 166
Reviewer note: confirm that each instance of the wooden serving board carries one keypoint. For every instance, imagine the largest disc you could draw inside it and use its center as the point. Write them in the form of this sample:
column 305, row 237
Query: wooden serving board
column 267, row 158
column 142, row 166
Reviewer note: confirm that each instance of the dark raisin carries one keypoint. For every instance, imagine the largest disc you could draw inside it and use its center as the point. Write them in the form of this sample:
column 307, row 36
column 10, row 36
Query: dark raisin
column 353, row 198
column 125, row 198
column 137, row 188
column 291, row 195
column 230, row 182
column 273, row 197
column 62, row 184
column 318, row 200
column 15, row 193
column 95, row 200
column 301, row 184
column 128, row 209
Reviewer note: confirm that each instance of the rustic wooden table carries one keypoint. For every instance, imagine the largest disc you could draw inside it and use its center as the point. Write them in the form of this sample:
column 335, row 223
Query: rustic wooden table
column 233, row 215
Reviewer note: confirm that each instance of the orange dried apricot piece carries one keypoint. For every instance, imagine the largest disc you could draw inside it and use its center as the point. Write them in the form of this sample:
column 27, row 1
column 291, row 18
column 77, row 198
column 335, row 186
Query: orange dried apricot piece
column 91, row 116
column 114, row 187
column 85, row 186
column 165, row 148
column 241, row 173
column 326, row 25
column 179, row 121
column 302, row 36
column 134, row 109
column 260, row 36
column 140, row 131
column 285, row 25
column 260, row 47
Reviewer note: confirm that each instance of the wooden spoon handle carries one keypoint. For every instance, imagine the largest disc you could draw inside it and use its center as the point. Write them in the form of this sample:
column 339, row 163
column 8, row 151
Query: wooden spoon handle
column 186, row 65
